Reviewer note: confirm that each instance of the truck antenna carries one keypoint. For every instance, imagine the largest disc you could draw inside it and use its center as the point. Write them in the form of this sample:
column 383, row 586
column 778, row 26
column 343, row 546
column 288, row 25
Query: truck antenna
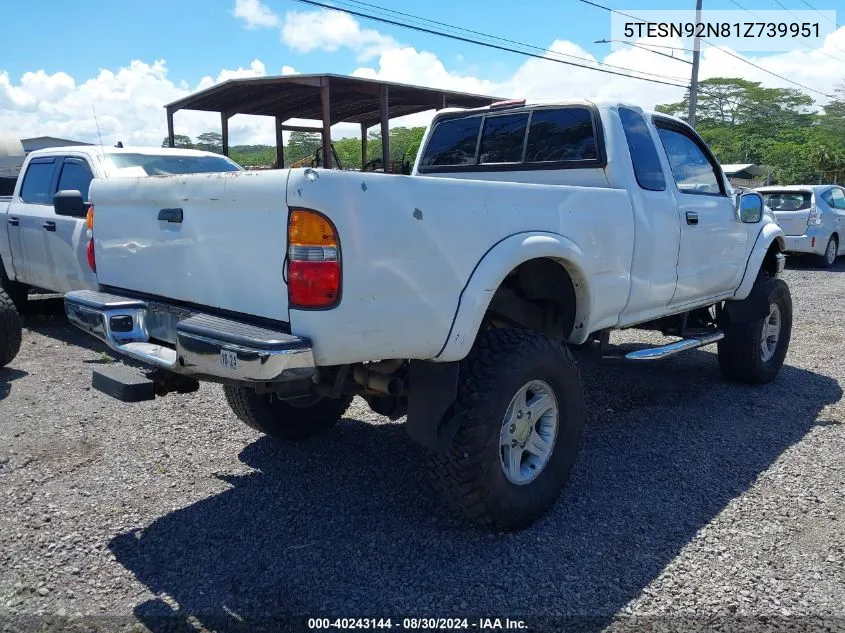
column 102, row 149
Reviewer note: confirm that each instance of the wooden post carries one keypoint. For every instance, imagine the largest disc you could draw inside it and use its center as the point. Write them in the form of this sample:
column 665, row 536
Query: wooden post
column 363, row 145
column 171, row 141
column 384, row 115
column 224, row 125
column 325, row 102
column 280, row 143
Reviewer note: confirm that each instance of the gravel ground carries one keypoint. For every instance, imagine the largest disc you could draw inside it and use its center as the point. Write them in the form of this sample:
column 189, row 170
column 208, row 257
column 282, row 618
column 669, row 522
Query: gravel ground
column 694, row 503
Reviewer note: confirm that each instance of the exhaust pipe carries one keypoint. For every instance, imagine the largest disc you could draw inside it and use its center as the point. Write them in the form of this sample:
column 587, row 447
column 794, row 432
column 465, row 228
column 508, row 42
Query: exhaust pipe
column 389, row 385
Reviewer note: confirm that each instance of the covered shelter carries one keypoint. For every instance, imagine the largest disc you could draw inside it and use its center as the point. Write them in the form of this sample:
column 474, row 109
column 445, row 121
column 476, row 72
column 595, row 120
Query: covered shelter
column 326, row 98
column 746, row 175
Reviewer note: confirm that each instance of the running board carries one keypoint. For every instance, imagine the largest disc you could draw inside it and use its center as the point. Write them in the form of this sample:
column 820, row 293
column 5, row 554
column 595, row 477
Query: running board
column 664, row 351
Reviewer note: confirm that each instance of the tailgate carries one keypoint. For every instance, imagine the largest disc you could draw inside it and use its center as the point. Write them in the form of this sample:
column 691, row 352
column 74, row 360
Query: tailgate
column 214, row 240
column 791, row 208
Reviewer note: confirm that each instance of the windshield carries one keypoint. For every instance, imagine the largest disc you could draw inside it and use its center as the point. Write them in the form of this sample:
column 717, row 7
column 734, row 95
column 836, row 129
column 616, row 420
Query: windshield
column 172, row 164
column 788, row 200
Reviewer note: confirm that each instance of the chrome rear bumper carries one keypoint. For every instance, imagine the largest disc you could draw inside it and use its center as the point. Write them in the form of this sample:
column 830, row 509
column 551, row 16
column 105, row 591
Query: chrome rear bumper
column 205, row 346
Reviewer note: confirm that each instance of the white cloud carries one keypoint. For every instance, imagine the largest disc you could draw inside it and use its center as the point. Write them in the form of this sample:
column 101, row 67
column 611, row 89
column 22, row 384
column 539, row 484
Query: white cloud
column 129, row 100
column 254, row 14
column 256, row 69
column 129, row 104
column 306, row 31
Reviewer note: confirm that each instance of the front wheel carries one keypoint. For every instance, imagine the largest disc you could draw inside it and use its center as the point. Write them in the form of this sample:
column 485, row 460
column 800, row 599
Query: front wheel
column 294, row 419
column 522, row 411
column 753, row 351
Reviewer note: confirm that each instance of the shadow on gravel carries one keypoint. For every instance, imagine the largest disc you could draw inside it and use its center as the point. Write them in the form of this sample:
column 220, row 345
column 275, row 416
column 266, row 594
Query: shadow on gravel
column 345, row 525
column 811, row 262
column 46, row 315
column 7, row 375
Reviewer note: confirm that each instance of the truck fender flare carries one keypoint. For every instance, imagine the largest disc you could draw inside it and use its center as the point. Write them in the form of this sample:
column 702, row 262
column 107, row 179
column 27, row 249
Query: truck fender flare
column 769, row 234
column 495, row 265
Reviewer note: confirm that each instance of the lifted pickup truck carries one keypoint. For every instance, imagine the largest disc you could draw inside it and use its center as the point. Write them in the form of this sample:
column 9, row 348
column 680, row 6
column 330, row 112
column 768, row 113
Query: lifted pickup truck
column 450, row 295
column 44, row 242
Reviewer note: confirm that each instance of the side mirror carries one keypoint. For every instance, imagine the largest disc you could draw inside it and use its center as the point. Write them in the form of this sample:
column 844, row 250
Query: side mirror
column 750, row 208
column 70, row 203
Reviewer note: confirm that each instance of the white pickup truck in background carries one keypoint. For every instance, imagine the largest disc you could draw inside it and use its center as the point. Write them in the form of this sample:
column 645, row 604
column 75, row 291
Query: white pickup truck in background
column 44, row 240
column 449, row 295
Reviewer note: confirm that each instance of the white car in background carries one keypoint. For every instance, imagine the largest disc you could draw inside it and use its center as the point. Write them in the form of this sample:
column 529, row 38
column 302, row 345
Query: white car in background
column 812, row 217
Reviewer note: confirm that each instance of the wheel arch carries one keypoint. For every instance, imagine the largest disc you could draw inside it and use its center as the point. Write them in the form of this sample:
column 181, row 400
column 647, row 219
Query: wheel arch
column 769, row 244
column 503, row 261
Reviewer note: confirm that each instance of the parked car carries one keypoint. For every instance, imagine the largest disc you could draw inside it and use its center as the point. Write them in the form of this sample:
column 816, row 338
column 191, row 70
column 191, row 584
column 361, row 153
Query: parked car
column 449, row 295
column 44, row 243
column 812, row 217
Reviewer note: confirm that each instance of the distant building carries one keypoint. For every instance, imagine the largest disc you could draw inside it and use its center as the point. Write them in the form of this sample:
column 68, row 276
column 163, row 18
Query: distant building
column 43, row 142
column 11, row 159
column 747, row 175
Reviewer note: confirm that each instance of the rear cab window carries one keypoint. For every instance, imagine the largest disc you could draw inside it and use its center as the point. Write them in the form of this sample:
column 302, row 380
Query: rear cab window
column 788, row 200
column 539, row 137
column 37, row 187
column 170, row 164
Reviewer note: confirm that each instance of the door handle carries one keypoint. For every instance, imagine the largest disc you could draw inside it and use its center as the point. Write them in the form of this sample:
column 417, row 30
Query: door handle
column 50, row 225
column 14, row 221
column 170, row 215
column 692, row 217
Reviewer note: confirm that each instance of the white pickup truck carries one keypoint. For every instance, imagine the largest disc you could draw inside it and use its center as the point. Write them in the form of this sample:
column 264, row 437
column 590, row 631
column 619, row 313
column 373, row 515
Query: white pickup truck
column 44, row 241
column 450, row 295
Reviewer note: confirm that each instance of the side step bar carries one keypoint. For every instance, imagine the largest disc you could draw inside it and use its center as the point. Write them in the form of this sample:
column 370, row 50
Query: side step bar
column 664, row 351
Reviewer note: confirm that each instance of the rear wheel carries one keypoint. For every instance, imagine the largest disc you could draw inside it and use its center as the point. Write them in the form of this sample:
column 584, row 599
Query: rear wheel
column 830, row 252
column 523, row 417
column 754, row 351
column 293, row 419
column 10, row 330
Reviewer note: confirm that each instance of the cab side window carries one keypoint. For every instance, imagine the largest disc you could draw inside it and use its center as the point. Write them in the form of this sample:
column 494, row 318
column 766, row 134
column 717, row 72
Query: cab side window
column 75, row 175
column 691, row 168
column 37, row 185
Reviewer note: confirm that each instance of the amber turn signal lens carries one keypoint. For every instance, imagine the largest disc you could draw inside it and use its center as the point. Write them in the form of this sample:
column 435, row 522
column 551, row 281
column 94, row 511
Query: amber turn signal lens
column 89, row 218
column 308, row 228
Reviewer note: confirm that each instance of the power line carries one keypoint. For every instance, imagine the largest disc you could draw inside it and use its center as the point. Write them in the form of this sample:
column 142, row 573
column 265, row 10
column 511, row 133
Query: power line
column 546, row 51
column 643, row 47
column 486, row 44
column 781, row 5
column 820, row 13
column 725, row 51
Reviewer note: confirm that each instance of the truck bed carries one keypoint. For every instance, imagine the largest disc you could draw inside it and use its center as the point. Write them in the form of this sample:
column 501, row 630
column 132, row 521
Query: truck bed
column 409, row 246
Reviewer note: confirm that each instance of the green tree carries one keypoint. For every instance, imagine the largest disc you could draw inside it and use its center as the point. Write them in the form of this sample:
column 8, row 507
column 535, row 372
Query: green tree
column 179, row 140
column 210, row 142
column 778, row 128
column 301, row 145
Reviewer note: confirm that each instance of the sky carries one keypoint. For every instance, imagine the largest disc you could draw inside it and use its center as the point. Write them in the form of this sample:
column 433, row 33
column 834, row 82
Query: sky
column 129, row 59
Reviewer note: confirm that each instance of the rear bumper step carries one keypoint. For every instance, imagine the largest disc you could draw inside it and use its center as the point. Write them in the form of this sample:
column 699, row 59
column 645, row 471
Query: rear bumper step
column 664, row 351
column 206, row 346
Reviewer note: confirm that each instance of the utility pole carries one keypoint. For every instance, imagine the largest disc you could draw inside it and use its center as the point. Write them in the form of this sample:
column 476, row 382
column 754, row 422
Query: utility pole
column 696, row 53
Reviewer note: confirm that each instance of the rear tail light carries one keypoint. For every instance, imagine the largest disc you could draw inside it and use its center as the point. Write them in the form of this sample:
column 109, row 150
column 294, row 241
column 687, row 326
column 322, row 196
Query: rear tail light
column 89, row 249
column 314, row 274
column 815, row 218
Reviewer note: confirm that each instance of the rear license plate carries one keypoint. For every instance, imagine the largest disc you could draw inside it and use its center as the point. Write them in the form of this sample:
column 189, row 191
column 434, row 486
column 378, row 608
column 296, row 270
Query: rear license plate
column 228, row 360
